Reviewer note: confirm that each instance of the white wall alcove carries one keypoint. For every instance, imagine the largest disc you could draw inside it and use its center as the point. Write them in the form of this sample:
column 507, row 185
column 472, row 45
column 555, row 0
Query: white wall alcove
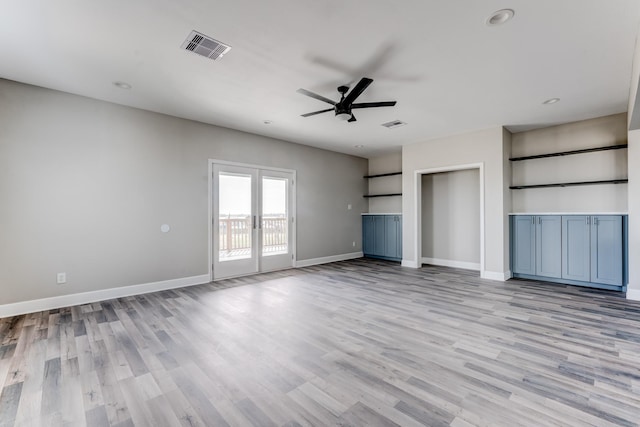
column 418, row 174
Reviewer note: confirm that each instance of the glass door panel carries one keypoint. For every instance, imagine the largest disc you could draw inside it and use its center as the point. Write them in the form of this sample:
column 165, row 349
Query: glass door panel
column 252, row 220
column 235, row 224
column 234, row 221
column 276, row 195
column 275, row 216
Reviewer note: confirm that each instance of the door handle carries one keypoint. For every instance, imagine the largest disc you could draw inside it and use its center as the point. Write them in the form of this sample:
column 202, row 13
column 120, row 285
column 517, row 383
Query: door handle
column 254, row 222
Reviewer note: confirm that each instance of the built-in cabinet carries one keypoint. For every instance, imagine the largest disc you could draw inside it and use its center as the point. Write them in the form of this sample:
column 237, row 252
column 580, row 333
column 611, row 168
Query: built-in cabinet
column 382, row 236
column 586, row 250
column 602, row 259
column 536, row 245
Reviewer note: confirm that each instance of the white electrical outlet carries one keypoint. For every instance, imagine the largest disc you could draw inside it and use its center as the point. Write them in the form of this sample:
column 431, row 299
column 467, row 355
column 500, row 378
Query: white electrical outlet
column 349, row 206
column 354, row 244
column 62, row 278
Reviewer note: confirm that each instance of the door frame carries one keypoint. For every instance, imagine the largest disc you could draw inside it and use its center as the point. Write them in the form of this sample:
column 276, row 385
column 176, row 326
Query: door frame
column 417, row 197
column 210, row 205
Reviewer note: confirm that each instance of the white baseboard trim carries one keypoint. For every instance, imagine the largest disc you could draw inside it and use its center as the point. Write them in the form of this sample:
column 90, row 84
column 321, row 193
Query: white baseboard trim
column 496, row 275
column 633, row 294
column 409, row 263
column 451, row 263
column 33, row 306
column 328, row 259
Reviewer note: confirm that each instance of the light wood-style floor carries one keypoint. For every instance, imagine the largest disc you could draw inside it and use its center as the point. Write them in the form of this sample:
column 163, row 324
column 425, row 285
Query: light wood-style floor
column 357, row 343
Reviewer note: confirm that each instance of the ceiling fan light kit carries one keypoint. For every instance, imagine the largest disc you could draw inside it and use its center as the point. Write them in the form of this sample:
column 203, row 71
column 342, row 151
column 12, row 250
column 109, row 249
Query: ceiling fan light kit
column 343, row 107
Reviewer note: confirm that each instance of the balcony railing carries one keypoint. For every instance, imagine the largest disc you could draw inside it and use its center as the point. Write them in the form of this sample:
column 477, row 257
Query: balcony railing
column 236, row 234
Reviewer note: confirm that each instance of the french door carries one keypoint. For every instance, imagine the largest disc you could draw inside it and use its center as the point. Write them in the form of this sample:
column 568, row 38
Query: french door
column 252, row 220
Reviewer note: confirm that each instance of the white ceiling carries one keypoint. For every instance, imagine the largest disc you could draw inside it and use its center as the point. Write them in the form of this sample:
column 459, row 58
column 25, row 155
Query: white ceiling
column 449, row 72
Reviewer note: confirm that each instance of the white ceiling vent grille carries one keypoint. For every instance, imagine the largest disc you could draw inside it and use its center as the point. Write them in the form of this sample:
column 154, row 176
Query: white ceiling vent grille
column 394, row 124
column 205, row 46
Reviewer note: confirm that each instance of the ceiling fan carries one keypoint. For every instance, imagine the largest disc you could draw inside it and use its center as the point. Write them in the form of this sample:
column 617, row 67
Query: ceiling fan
column 343, row 107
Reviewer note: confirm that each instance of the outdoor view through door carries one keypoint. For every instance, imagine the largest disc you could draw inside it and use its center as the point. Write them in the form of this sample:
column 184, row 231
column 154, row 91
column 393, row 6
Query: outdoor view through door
column 275, row 227
column 252, row 220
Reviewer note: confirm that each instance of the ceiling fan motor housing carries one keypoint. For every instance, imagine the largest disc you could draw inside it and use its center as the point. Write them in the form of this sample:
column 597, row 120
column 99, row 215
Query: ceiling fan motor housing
column 342, row 108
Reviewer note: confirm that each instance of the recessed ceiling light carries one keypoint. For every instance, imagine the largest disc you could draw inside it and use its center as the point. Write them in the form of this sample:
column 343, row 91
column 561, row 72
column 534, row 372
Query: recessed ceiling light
column 551, row 101
column 500, row 17
column 267, row 122
column 122, row 85
column 359, row 146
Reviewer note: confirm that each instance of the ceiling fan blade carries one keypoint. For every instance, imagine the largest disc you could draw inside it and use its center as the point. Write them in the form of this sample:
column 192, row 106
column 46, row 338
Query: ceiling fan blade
column 374, row 104
column 357, row 90
column 316, row 96
column 317, row 112
column 352, row 119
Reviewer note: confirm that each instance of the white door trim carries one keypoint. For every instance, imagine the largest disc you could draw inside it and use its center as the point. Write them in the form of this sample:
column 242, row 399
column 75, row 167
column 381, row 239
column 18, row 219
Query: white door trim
column 417, row 197
column 210, row 204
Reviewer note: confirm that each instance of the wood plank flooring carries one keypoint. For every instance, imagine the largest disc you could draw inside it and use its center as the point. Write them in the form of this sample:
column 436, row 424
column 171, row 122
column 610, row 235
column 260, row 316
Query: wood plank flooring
column 353, row 343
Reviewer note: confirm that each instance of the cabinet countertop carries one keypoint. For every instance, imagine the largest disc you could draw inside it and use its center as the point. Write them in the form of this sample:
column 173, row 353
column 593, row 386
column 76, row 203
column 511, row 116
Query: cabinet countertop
column 381, row 213
column 568, row 213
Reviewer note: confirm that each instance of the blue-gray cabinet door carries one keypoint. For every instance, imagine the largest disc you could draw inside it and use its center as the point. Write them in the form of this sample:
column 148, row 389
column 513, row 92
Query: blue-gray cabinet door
column 606, row 250
column 379, row 241
column 399, row 236
column 524, row 244
column 549, row 246
column 576, row 247
column 393, row 244
column 368, row 238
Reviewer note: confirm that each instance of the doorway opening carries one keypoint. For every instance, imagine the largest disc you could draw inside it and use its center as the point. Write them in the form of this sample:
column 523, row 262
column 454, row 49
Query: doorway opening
column 427, row 228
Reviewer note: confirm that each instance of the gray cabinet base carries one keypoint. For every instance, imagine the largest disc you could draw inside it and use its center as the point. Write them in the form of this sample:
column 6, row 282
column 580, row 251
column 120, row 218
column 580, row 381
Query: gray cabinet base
column 569, row 282
column 382, row 236
column 382, row 257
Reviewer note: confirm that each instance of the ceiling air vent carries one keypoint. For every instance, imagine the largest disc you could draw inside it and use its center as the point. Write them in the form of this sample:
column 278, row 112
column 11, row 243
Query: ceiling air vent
column 205, row 46
column 394, row 124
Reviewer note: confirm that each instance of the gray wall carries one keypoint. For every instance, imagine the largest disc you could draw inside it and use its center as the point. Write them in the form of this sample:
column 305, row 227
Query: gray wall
column 85, row 186
column 387, row 163
column 451, row 216
column 489, row 147
column 633, row 291
column 603, row 165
